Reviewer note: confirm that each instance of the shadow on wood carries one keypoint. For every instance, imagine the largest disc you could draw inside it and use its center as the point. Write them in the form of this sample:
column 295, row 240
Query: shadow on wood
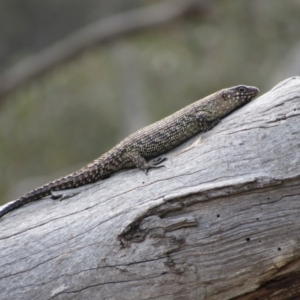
column 221, row 221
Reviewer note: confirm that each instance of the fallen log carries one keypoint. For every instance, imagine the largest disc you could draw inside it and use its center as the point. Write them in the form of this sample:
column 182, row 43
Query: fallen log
column 221, row 221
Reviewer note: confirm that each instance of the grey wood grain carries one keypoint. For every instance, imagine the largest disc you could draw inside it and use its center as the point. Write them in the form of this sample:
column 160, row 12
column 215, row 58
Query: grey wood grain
column 220, row 221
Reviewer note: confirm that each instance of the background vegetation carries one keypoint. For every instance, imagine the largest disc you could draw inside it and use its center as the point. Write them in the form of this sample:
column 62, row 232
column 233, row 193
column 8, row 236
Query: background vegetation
column 66, row 118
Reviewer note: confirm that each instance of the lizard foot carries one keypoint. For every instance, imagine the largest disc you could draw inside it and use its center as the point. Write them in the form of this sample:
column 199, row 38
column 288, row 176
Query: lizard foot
column 158, row 160
column 154, row 164
column 62, row 195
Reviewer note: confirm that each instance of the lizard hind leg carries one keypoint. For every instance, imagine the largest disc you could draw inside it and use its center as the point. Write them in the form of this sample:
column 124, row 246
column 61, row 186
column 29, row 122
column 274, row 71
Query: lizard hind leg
column 78, row 182
column 142, row 164
column 63, row 194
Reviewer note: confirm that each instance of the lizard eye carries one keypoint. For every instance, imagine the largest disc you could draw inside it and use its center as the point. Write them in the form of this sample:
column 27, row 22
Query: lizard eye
column 242, row 89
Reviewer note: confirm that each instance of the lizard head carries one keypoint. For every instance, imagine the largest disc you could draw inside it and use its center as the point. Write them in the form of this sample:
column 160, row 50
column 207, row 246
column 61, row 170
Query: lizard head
column 239, row 94
column 234, row 97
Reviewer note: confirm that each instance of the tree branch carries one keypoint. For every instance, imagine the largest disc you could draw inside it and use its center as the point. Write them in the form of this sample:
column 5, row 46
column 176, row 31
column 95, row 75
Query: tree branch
column 99, row 32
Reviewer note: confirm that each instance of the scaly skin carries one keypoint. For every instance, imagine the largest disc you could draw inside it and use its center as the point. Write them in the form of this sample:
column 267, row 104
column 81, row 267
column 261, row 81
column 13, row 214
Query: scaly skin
column 149, row 142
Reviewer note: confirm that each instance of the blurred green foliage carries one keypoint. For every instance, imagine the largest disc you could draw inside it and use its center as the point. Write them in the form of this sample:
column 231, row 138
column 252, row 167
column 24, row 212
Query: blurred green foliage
column 73, row 114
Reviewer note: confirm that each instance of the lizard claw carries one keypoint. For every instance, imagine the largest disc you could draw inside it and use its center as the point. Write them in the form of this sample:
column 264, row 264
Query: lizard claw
column 152, row 166
column 158, row 160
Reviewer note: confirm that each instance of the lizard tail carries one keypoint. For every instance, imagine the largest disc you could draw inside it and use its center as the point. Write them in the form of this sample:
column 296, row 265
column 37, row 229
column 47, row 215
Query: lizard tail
column 29, row 197
column 74, row 180
column 89, row 174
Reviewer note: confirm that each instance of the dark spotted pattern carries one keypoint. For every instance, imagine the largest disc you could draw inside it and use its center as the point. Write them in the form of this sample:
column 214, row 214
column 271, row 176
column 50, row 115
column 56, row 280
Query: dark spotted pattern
column 149, row 142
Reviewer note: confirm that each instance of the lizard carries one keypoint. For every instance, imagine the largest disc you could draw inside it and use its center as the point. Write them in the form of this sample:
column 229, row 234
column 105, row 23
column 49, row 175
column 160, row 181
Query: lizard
column 140, row 147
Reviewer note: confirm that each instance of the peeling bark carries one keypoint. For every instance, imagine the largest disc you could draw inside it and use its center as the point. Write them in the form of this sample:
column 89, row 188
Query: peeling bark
column 221, row 221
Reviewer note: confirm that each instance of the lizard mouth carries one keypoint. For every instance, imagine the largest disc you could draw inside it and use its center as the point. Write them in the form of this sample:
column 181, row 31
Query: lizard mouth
column 255, row 92
column 252, row 95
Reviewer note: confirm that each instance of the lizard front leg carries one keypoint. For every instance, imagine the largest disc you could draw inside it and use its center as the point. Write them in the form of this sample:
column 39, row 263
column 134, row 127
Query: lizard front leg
column 206, row 120
column 141, row 163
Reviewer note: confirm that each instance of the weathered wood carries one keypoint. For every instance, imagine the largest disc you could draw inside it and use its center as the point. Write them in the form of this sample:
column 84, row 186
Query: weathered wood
column 220, row 221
